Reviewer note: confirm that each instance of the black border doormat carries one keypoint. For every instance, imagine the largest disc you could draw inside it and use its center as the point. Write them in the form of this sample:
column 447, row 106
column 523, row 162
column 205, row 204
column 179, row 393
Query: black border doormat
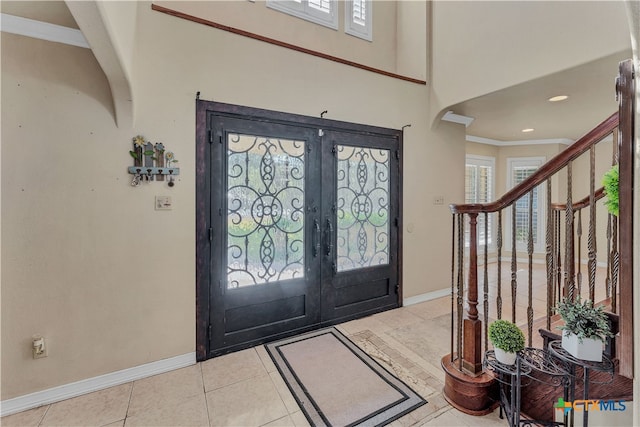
column 337, row 384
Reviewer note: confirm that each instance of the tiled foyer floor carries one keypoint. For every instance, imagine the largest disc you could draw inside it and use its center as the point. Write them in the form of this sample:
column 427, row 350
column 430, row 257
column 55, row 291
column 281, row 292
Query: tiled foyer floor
column 245, row 389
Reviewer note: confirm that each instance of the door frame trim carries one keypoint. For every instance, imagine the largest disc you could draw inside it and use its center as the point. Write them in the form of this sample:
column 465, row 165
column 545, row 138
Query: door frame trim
column 203, row 192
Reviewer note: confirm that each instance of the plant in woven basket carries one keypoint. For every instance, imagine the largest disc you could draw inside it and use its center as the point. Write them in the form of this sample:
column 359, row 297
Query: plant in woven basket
column 610, row 182
column 506, row 336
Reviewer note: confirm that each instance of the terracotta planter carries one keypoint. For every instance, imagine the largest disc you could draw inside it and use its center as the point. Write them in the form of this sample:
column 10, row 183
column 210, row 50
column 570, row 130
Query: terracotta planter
column 588, row 349
column 504, row 357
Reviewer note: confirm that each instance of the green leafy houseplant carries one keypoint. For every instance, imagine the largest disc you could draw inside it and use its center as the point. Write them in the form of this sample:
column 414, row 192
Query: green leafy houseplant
column 584, row 320
column 506, row 336
column 610, row 182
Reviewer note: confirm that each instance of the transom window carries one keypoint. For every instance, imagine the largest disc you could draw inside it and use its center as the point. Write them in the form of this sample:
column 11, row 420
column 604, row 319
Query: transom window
column 323, row 12
column 358, row 21
column 357, row 16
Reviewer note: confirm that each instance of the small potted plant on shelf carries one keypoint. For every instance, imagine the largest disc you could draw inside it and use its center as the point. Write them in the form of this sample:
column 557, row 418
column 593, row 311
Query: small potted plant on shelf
column 507, row 340
column 585, row 328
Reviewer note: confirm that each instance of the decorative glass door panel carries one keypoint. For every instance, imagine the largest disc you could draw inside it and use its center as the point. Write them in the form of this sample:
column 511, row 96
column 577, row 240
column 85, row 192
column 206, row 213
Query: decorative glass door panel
column 360, row 194
column 297, row 224
column 362, row 207
column 265, row 209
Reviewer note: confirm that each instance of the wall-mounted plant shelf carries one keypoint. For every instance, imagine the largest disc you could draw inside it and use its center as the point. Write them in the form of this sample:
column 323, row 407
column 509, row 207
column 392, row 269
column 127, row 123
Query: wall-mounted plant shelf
column 157, row 162
column 141, row 170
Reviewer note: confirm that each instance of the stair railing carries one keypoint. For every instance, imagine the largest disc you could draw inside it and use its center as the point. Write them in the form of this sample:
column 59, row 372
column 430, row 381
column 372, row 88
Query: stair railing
column 563, row 241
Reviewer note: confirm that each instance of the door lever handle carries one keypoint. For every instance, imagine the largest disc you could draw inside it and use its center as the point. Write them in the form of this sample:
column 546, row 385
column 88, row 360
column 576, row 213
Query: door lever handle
column 329, row 237
column 316, row 238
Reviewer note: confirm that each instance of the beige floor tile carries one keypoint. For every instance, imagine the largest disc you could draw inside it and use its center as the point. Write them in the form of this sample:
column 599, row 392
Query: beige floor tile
column 397, row 318
column 191, row 411
column 445, row 419
column 285, row 394
column 231, row 368
column 299, row 420
column 116, row 424
column 431, row 309
column 265, row 358
column 170, row 386
column 285, row 421
column 358, row 325
column 29, row 418
column 489, row 420
column 430, row 340
column 251, row 402
column 93, row 409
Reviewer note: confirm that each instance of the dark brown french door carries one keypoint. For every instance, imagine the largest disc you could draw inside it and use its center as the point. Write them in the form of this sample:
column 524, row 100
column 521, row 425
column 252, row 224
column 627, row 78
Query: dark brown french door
column 297, row 224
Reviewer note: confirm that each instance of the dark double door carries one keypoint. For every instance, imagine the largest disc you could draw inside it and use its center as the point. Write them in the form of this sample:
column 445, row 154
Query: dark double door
column 301, row 221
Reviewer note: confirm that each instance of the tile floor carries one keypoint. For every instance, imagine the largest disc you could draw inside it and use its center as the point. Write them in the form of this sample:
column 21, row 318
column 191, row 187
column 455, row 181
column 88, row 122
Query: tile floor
column 245, row 389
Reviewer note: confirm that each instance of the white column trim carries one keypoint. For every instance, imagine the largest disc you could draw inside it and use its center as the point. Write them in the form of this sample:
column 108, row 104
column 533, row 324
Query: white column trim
column 42, row 30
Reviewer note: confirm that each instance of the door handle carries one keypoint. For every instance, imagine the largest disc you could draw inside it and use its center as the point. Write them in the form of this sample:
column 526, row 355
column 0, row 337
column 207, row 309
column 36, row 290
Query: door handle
column 329, row 237
column 316, row 238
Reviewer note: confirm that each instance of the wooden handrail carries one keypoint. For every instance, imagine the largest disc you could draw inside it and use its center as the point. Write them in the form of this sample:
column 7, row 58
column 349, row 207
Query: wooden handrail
column 545, row 172
column 581, row 204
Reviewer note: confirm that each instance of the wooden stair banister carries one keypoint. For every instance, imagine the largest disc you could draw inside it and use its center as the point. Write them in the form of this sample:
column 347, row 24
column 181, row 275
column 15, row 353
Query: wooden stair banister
column 463, row 366
column 546, row 171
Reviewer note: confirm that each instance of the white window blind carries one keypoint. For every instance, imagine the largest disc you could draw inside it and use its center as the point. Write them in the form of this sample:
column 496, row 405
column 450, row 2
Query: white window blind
column 520, row 169
column 323, row 12
column 358, row 20
column 479, row 184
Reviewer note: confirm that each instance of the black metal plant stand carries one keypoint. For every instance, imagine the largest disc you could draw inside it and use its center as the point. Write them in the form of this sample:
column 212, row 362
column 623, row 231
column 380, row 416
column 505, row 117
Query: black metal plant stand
column 555, row 348
column 510, row 379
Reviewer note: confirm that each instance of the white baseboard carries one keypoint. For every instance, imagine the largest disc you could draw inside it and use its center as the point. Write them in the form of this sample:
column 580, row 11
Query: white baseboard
column 56, row 394
column 426, row 297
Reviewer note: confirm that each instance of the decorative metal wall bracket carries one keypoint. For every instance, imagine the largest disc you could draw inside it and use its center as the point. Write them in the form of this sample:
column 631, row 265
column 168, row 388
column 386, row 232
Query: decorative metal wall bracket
column 157, row 162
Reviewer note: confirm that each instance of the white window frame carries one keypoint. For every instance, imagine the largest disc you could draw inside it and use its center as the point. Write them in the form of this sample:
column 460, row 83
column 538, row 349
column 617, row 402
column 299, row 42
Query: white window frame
column 539, row 243
column 301, row 9
column 353, row 28
column 476, row 160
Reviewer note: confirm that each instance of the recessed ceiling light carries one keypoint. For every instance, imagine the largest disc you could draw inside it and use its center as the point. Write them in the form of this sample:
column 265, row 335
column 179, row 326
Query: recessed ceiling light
column 528, row 130
column 558, row 98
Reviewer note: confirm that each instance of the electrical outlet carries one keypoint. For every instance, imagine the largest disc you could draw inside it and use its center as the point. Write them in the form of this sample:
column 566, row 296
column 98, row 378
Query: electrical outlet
column 438, row 200
column 39, row 347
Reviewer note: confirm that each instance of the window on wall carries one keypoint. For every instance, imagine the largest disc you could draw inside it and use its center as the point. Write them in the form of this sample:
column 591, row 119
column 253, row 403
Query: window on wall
column 479, row 183
column 358, row 21
column 323, row 12
column 518, row 170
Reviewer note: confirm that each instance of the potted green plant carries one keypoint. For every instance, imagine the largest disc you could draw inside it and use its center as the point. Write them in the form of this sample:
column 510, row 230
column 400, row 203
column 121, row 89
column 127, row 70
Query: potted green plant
column 507, row 340
column 585, row 328
column 610, row 182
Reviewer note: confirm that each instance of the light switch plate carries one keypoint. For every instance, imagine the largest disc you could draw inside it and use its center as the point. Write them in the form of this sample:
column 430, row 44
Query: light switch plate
column 164, row 203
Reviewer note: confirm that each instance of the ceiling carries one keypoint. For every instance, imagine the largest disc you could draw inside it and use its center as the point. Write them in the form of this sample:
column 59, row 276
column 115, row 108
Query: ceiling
column 503, row 114
column 498, row 116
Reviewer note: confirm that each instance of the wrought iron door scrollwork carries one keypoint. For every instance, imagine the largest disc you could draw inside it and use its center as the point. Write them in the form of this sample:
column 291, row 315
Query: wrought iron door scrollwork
column 265, row 209
column 362, row 208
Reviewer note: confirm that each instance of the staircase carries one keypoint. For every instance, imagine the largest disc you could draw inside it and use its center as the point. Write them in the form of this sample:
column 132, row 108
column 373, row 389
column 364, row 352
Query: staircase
column 588, row 253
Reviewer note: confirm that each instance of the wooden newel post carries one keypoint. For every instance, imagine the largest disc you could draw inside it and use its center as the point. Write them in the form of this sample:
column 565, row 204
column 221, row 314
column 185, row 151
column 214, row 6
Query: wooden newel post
column 472, row 326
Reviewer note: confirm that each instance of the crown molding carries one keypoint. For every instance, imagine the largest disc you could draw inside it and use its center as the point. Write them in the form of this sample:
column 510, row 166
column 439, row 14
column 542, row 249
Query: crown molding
column 489, row 141
column 42, row 30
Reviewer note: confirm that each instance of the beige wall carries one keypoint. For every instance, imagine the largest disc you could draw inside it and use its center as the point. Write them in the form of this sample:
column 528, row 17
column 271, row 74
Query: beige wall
column 395, row 39
column 88, row 262
column 483, row 46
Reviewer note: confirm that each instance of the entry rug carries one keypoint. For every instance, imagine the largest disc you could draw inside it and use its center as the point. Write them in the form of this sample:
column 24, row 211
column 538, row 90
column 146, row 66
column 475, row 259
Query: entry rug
column 337, row 384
